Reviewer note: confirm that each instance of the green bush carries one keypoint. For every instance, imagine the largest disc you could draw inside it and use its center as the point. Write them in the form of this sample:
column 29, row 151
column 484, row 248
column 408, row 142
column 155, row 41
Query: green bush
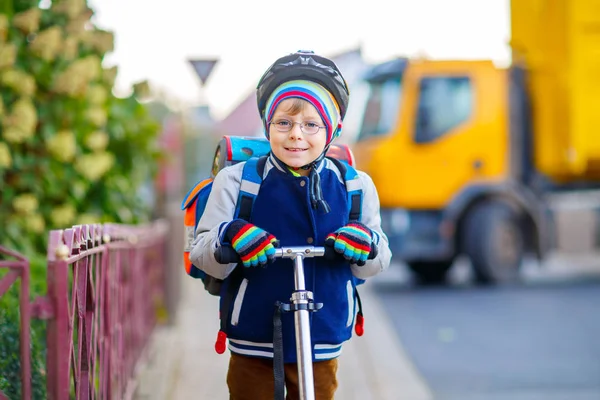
column 71, row 152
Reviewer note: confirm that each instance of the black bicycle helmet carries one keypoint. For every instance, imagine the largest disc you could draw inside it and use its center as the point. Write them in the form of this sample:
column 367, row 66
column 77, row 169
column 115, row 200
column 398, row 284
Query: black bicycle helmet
column 303, row 65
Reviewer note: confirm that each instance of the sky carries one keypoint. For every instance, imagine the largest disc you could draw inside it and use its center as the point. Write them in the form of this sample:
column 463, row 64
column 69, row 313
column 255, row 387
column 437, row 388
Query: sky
column 154, row 39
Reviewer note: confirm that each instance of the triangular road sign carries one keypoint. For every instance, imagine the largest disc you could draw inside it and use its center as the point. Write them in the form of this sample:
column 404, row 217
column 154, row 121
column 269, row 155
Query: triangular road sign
column 203, row 68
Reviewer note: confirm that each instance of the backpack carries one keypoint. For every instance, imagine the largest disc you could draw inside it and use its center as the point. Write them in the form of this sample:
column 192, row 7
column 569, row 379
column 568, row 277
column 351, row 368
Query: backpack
column 232, row 150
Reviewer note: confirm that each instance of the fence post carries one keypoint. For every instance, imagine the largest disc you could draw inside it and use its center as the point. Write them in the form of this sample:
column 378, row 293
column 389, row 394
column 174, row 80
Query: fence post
column 25, row 309
column 57, row 336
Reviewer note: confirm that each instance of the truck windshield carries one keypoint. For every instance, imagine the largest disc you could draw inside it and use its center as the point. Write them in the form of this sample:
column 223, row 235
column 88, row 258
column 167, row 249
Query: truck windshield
column 444, row 103
column 381, row 108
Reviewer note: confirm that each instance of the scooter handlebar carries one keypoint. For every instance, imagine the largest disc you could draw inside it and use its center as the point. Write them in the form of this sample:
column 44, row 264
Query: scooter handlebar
column 227, row 255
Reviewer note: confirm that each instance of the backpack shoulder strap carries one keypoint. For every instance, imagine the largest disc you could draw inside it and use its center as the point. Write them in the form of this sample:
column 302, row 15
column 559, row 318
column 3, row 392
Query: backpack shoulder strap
column 251, row 179
column 355, row 198
column 252, row 174
column 353, row 188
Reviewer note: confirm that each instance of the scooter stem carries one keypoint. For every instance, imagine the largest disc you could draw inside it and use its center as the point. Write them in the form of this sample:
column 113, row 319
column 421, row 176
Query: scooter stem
column 301, row 317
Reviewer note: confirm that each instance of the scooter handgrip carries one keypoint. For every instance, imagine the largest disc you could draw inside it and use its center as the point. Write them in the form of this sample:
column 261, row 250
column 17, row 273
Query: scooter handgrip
column 226, row 255
column 331, row 255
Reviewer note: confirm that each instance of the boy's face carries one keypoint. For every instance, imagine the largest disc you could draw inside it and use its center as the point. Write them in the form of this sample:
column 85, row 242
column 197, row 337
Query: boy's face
column 295, row 148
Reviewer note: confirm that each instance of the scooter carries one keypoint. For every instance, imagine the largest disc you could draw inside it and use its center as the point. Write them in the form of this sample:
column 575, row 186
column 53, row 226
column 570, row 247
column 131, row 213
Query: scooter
column 301, row 304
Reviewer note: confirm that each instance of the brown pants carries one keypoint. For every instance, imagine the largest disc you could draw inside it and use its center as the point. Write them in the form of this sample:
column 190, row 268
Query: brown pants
column 251, row 378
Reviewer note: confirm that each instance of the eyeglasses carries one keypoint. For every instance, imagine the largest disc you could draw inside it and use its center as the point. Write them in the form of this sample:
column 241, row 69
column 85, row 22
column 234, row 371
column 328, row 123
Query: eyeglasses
column 284, row 125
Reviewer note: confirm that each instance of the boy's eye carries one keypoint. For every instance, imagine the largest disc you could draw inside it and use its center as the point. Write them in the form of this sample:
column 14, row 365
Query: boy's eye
column 311, row 125
column 283, row 122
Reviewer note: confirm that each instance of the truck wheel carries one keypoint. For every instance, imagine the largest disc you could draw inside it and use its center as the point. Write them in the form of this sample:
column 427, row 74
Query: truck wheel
column 493, row 241
column 430, row 272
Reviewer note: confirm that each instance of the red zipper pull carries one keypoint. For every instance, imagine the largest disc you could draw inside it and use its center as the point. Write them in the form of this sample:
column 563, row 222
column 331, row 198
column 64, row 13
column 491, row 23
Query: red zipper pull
column 359, row 328
column 220, row 343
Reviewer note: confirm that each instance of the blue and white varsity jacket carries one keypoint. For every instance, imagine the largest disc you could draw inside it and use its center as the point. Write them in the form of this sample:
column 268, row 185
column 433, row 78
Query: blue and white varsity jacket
column 282, row 208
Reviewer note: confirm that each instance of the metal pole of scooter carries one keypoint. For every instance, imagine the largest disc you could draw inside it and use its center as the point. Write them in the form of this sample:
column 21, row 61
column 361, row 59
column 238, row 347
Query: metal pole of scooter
column 303, row 345
column 306, row 384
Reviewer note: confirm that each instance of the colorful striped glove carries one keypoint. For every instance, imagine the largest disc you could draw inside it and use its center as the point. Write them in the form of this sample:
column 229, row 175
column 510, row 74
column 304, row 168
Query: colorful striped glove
column 254, row 245
column 353, row 241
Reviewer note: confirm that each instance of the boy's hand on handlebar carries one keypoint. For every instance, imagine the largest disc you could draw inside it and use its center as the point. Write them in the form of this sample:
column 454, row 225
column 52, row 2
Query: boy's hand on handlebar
column 353, row 241
column 254, row 245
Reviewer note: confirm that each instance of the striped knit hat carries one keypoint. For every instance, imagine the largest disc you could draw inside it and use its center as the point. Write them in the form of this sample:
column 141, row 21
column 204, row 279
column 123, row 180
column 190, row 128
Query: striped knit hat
column 316, row 95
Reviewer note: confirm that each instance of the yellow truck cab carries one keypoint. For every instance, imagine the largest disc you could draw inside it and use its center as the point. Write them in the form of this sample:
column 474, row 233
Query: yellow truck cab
column 464, row 152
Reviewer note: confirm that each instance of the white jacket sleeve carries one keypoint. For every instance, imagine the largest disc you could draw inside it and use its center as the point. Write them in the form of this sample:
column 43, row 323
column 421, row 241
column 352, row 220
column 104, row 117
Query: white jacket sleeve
column 219, row 211
column 372, row 218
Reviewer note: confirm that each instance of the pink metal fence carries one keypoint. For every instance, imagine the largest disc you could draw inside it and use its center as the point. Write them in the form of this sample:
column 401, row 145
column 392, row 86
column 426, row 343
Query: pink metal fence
column 105, row 287
column 18, row 267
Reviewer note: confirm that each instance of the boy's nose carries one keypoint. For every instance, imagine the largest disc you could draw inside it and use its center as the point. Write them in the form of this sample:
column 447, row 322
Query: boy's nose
column 296, row 131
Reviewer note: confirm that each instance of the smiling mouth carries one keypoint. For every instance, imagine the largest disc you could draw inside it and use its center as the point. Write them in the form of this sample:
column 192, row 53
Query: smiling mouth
column 293, row 149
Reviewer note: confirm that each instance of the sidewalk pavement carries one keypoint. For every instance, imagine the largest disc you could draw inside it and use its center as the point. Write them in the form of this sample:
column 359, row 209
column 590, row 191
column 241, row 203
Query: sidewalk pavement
column 182, row 364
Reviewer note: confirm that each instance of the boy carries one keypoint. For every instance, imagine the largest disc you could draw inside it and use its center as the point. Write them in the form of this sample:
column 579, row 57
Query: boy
column 302, row 99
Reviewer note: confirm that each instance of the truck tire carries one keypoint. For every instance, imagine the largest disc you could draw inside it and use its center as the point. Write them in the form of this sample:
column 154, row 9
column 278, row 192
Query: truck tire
column 492, row 238
column 430, row 272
